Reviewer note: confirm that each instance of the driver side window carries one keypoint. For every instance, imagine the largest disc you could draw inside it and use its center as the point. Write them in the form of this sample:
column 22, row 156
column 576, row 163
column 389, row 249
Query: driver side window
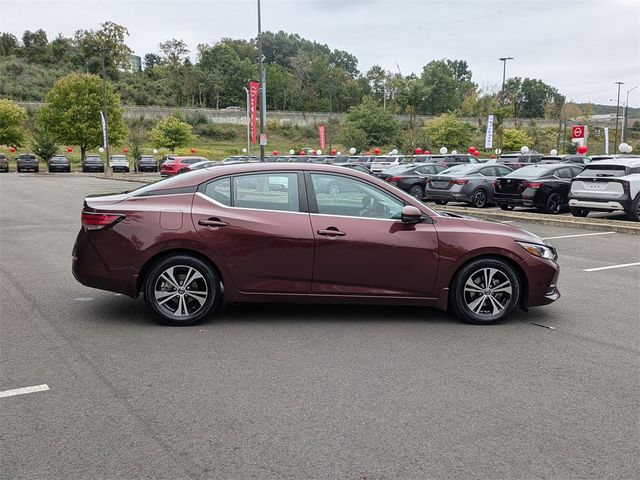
column 338, row 195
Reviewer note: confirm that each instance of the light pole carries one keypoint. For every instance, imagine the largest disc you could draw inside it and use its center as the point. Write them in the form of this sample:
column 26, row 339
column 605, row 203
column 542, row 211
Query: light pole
column 263, row 93
column 615, row 142
column 107, row 171
column 504, row 78
column 248, row 122
column 625, row 114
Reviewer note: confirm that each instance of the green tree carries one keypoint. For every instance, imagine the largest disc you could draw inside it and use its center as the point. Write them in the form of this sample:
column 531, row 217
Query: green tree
column 12, row 121
column 171, row 133
column 380, row 126
column 515, row 138
column 352, row 136
column 9, row 44
column 72, row 113
column 44, row 145
column 448, row 131
column 108, row 41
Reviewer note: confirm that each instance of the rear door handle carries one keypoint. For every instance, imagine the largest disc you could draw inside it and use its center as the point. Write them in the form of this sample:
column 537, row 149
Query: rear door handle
column 331, row 232
column 212, row 222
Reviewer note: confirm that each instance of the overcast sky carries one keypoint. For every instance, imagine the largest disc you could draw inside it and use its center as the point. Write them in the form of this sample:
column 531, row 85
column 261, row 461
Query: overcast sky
column 581, row 47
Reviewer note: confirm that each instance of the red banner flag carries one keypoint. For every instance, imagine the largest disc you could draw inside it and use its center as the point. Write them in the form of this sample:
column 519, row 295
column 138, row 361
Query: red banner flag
column 323, row 139
column 253, row 108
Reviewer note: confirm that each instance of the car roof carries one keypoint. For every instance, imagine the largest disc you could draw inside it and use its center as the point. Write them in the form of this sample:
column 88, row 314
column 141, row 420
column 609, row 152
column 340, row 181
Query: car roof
column 624, row 161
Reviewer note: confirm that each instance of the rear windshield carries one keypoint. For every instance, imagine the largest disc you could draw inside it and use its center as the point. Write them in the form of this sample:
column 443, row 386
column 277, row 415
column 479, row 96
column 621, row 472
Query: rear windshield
column 398, row 169
column 595, row 170
column 531, row 171
column 27, row 157
column 59, row 160
column 459, row 170
column 93, row 160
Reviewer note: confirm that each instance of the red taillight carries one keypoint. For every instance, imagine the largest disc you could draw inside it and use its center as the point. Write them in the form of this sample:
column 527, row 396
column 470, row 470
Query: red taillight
column 459, row 182
column 531, row 184
column 429, row 180
column 495, row 183
column 98, row 221
column 394, row 179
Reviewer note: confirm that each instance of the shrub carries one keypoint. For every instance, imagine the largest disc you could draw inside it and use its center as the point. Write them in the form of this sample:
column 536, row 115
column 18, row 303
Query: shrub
column 217, row 131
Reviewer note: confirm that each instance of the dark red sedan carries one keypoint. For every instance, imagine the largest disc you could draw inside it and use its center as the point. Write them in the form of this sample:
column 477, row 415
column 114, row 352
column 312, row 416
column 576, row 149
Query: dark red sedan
column 177, row 165
column 269, row 233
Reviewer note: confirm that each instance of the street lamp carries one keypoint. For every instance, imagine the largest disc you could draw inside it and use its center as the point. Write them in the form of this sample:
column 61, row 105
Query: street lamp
column 625, row 114
column 263, row 93
column 504, row 61
column 617, row 112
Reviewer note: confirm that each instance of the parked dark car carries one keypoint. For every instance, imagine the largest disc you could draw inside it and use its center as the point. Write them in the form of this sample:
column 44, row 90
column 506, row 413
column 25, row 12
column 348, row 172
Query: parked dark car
column 59, row 163
column 543, row 186
column 147, row 163
column 451, row 159
column 179, row 165
column 201, row 240
column 471, row 183
column 203, row 164
column 93, row 163
column 577, row 159
column 27, row 161
column 518, row 160
column 412, row 178
column 4, row 163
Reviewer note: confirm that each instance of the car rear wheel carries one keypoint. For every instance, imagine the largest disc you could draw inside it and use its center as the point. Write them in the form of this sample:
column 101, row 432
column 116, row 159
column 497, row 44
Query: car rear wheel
column 479, row 198
column 485, row 291
column 180, row 290
column 554, row 204
column 579, row 212
column 507, row 207
column 441, row 202
column 417, row 191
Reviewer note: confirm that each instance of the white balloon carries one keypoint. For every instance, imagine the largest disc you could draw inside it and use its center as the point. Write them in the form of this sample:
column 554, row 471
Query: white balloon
column 318, row 152
column 554, row 152
column 155, row 150
column 623, row 147
column 498, row 151
column 244, row 150
column 339, row 153
column 352, row 151
column 101, row 150
column 291, row 152
column 454, row 152
column 394, row 151
column 443, row 150
column 524, row 149
column 629, row 149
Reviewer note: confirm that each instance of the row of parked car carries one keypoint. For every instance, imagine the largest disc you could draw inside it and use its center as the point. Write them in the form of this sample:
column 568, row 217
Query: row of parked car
column 28, row 162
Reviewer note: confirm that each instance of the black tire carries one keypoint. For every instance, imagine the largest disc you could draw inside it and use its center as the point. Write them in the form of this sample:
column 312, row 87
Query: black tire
column 333, row 188
column 469, row 298
column 554, row 204
column 441, row 202
column 416, row 191
column 579, row 212
column 18, row 169
column 634, row 214
column 192, row 309
column 507, row 207
column 36, row 170
column 479, row 198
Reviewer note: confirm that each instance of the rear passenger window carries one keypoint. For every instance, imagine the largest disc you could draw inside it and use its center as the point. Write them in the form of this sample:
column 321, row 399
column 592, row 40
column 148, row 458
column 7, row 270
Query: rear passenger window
column 267, row 191
column 220, row 191
column 563, row 173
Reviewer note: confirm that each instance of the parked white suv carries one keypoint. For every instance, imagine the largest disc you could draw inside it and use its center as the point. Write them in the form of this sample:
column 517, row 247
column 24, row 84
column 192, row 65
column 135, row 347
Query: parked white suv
column 607, row 186
column 382, row 162
column 119, row 163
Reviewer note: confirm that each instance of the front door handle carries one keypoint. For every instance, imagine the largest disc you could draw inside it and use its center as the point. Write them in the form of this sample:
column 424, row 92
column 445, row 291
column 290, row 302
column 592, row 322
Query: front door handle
column 212, row 222
column 331, row 232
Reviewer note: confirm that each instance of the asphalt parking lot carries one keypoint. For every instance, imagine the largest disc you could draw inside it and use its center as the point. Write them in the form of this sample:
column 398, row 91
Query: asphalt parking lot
column 309, row 392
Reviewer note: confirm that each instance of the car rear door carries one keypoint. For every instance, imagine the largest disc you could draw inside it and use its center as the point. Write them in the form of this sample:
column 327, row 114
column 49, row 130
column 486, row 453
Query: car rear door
column 257, row 225
column 361, row 245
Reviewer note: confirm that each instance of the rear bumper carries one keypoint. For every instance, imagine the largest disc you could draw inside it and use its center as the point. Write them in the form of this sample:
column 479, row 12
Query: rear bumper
column 444, row 195
column 513, row 202
column 603, row 205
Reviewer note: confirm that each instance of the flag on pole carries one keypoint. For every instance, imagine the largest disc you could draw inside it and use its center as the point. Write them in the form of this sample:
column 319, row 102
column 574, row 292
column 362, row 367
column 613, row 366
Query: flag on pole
column 253, row 108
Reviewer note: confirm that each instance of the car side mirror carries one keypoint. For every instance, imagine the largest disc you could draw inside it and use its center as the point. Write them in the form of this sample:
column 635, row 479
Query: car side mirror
column 411, row 214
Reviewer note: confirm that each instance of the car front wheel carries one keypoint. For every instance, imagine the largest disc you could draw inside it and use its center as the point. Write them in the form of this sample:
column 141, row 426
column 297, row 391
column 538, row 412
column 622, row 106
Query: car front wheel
column 181, row 290
column 416, row 191
column 485, row 291
column 635, row 209
column 554, row 204
column 479, row 198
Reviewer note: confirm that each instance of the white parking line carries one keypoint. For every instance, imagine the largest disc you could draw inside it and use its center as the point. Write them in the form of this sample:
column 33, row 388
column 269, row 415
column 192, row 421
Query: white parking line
column 611, row 267
column 579, row 235
column 22, row 391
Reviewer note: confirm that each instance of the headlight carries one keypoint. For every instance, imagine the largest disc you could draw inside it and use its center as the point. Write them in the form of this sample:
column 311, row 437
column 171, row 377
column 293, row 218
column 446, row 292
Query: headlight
column 543, row 251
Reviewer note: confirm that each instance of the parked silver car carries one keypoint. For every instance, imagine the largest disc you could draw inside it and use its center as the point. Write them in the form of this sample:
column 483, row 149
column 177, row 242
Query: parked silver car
column 470, row 183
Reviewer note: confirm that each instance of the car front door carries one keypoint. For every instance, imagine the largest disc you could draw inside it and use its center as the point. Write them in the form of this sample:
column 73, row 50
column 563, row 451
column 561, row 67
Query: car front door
column 258, row 226
column 361, row 245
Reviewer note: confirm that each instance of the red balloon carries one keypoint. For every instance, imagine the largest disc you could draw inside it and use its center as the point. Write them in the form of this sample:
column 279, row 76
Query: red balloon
column 493, row 155
column 125, row 149
column 471, row 150
column 275, row 152
column 333, row 152
column 302, row 152
column 476, row 153
column 418, row 151
column 12, row 149
column 69, row 149
column 582, row 149
column 367, row 152
column 193, row 150
column 376, row 151
column 427, row 152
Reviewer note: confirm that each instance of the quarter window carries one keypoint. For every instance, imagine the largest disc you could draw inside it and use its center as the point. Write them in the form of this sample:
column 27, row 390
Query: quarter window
column 337, row 195
column 220, row 191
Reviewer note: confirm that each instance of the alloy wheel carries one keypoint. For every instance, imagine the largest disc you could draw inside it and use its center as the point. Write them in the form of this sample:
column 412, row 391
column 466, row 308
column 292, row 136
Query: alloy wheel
column 488, row 292
column 181, row 291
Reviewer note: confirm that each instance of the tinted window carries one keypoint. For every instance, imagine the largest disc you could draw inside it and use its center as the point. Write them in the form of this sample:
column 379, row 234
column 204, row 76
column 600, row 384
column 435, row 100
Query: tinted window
column 267, row 191
column 93, row 160
column 459, row 170
column 220, row 191
column 531, row 171
column 563, row 173
column 503, row 170
column 353, row 198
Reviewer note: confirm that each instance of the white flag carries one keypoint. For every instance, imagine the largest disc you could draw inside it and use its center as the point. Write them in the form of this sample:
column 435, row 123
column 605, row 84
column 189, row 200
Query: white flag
column 488, row 140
